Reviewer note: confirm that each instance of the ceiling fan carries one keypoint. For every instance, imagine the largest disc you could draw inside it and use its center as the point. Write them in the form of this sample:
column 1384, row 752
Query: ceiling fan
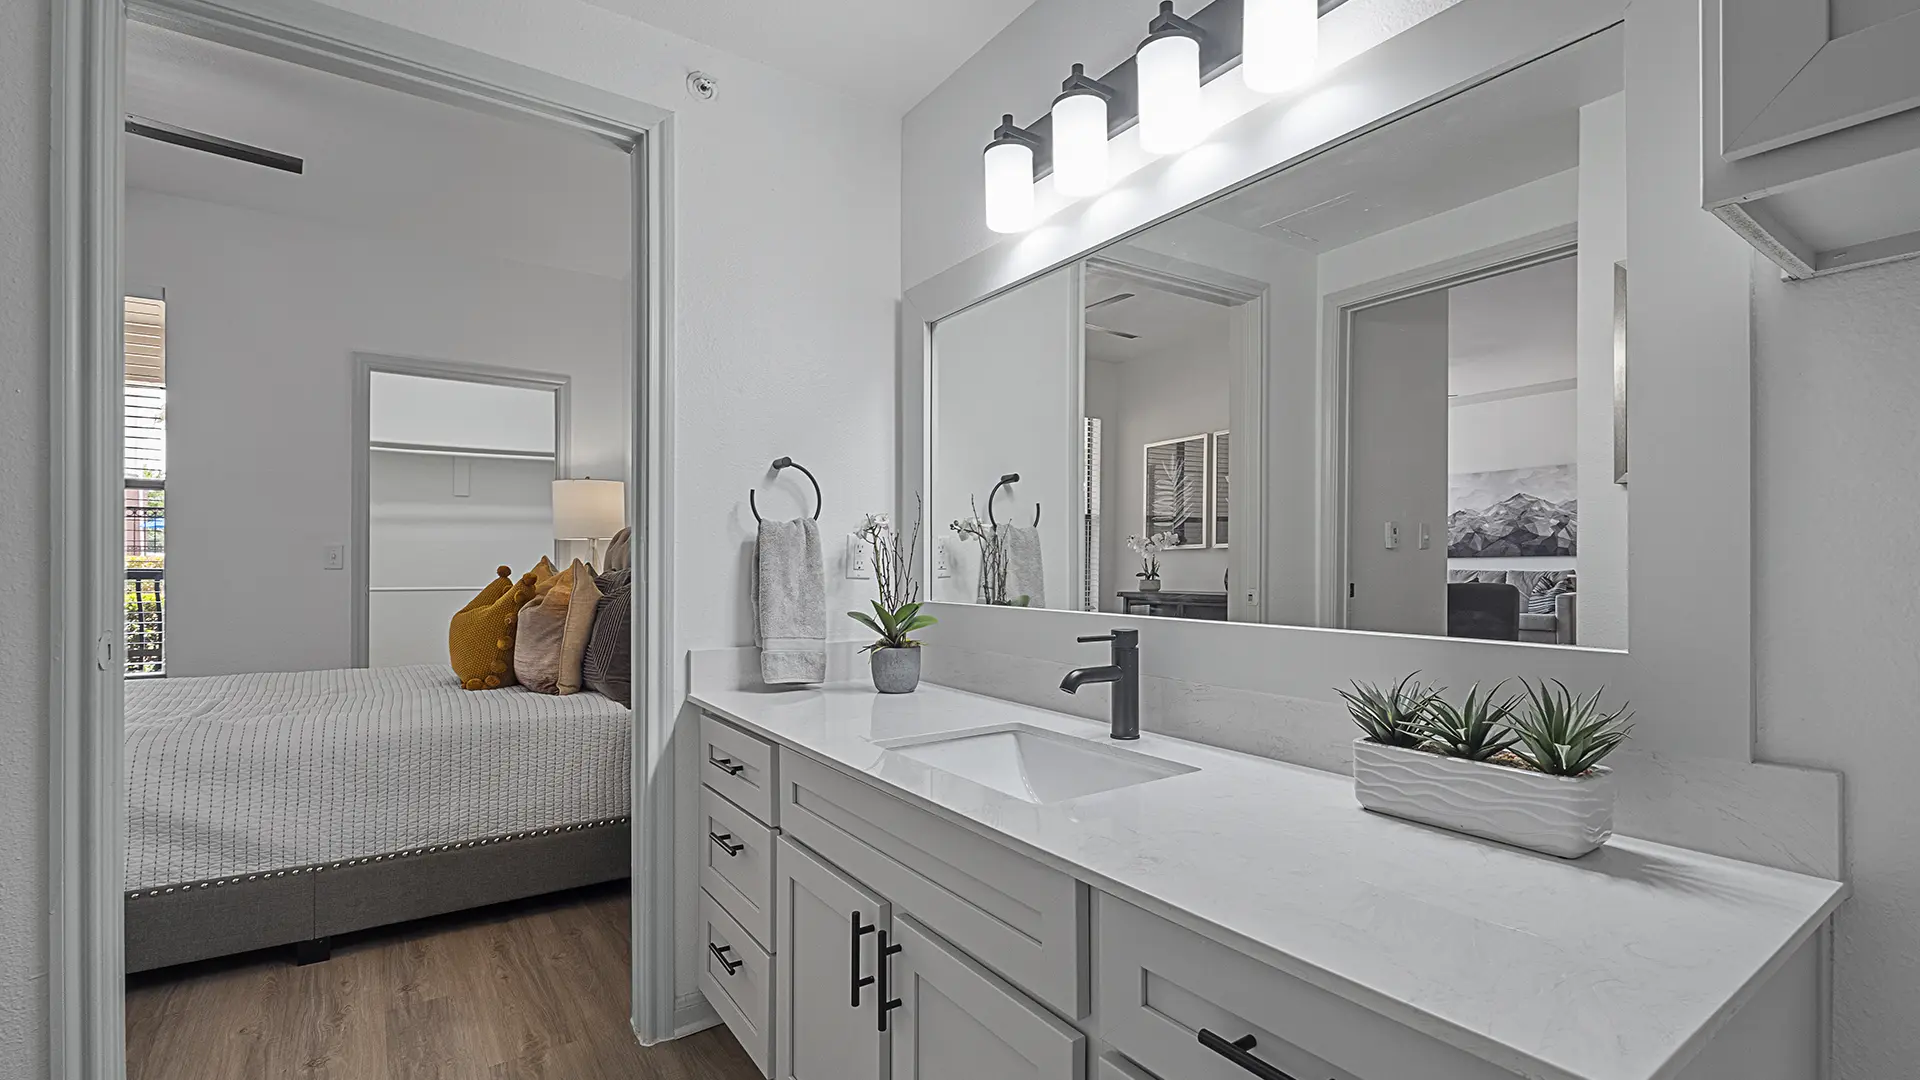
column 1114, row 299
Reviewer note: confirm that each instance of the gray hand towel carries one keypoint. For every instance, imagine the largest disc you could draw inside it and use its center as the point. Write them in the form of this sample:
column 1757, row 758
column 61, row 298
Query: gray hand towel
column 790, row 603
column 1026, row 575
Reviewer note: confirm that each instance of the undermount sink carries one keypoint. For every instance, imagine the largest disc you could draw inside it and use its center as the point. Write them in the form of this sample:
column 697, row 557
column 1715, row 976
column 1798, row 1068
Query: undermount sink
column 1035, row 765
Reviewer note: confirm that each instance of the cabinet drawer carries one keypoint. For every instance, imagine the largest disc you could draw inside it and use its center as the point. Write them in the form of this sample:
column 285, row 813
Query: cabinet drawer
column 738, row 867
column 1161, row 985
column 738, row 981
column 1024, row 921
column 739, row 766
column 1115, row 1067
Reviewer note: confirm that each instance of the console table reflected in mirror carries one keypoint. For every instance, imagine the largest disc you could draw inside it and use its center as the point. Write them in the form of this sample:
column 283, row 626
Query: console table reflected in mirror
column 1209, row 606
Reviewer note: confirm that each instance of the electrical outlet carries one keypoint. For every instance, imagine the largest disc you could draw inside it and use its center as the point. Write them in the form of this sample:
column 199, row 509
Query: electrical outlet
column 1393, row 536
column 336, row 557
column 859, row 558
column 942, row 562
column 1426, row 536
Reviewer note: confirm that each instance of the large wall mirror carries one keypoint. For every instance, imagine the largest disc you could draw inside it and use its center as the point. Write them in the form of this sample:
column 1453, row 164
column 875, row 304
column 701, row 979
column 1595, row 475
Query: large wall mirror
column 1375, row 391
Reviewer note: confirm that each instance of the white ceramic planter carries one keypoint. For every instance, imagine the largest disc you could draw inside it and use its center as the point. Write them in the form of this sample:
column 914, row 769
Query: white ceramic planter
column 1556, row 815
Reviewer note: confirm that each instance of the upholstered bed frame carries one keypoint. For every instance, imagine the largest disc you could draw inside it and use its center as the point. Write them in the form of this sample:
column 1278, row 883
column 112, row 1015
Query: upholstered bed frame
column 306, row 906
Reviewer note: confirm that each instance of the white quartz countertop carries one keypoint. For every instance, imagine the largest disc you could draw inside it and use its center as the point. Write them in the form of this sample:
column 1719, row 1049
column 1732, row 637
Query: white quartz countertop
column 1617, row 966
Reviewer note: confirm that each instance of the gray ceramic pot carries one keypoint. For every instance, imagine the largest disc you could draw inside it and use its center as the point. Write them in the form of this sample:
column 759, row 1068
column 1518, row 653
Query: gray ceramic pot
column 896, row 671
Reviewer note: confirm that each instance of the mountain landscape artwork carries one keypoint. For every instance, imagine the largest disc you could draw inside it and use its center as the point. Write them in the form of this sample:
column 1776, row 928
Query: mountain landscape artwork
column 1513, row 513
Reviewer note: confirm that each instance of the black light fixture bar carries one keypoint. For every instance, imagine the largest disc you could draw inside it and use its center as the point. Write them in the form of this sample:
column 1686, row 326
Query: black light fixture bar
column 1220, row 48
column 213, row 144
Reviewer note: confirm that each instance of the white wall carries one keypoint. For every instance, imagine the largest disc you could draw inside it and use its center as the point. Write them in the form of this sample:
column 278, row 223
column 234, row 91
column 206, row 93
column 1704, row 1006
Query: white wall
column 1603, row 561
column 264, row 315
column 1835, row 582
column 1397, row 465
column 1513, row 433
column 26, row 549
column 1006, row 399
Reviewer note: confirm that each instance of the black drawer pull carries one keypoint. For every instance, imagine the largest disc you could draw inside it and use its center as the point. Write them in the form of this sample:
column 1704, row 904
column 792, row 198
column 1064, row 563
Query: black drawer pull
column 732, row 767
column 859, row 980
column 720, row 953
column 724, row 840
column 1236, row 1052
column 887, row 1004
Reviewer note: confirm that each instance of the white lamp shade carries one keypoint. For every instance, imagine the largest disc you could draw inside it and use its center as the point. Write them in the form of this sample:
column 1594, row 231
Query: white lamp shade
column 1170, row 118
column 1281, row 44
column 1080, row 145
column 588, row 509
column 1009, row 176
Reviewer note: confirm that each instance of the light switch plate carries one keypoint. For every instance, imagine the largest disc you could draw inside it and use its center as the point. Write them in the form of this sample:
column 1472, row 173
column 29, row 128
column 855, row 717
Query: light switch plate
column 1426, row 536
column 336, row 557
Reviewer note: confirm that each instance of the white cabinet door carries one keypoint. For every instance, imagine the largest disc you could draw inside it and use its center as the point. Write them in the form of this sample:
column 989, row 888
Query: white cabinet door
column 826, row 1014
column 955, row 1020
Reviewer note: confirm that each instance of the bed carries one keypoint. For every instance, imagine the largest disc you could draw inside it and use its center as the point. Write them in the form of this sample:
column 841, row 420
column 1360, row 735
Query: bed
column 285, row 808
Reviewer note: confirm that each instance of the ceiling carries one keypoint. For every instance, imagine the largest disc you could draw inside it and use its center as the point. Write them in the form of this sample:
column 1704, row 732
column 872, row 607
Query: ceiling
column 1515, row 330
column 1164, row 320
column 377, row 160
column 1507, row 132
column 893, row 52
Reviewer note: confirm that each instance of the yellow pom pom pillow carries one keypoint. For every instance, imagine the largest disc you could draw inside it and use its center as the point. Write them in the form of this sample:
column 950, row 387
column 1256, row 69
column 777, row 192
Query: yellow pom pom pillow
column 554, row 629
column 480, row 641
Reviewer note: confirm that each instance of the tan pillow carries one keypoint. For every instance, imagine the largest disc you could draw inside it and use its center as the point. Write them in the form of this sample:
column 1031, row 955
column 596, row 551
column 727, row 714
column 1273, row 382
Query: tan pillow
column 618, row 556
column 581, row 605
column 553, row 629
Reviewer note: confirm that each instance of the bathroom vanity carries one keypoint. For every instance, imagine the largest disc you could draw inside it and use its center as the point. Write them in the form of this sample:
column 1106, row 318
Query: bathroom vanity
column 947, row 885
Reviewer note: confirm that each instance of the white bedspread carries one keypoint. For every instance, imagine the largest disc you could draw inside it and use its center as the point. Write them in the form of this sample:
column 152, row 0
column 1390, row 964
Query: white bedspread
column 234, row 774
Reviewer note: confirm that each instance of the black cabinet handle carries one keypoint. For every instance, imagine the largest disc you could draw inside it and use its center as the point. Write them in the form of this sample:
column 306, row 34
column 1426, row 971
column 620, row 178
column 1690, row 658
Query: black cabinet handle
column 859, row 980
column 720, row 953
column 1236, row 1052
column 887, row 1004
column 723, row 839
column 732, row 767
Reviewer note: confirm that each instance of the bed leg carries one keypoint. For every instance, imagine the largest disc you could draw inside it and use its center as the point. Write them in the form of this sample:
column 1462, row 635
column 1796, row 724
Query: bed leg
column 317, row 951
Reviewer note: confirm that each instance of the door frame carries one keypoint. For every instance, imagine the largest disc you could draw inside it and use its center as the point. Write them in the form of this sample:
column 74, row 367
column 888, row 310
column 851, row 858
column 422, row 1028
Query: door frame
column 86, row 796
column 1336, row 319
column 364, row 365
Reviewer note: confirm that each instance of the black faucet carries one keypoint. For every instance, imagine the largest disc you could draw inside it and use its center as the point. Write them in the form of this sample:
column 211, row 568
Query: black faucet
column 1123, row 673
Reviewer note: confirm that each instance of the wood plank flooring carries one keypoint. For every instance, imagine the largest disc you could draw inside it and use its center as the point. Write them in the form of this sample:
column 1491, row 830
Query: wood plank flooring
column 529, row 991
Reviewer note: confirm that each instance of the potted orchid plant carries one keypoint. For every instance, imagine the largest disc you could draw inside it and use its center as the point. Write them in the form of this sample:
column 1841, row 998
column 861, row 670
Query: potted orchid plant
column 1149, row 551
column 896, row 614
column 993, row 559
column 1523, row 769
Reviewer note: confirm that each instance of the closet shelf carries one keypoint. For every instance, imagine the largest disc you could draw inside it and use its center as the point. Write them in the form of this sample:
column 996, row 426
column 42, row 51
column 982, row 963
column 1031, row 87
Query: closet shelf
column 459, row 451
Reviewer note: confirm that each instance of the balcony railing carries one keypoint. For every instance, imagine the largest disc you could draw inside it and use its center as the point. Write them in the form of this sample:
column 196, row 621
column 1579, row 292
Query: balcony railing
column 146, row 578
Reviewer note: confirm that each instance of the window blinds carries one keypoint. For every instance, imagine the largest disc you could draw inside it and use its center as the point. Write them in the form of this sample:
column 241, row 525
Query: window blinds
column 145, row 415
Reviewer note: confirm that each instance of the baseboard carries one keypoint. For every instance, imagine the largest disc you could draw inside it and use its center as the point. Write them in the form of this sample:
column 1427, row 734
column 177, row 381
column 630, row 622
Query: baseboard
column 692, row 1015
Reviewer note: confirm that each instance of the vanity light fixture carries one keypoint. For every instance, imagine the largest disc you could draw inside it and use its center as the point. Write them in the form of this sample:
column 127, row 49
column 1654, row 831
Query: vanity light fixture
column 1080, row 135
column 1009, row 177
column 1169, row 67
column 1280, row 45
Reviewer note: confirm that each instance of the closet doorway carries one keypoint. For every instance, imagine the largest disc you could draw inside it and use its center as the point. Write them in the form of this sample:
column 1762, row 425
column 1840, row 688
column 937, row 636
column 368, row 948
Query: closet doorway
column 453, row 475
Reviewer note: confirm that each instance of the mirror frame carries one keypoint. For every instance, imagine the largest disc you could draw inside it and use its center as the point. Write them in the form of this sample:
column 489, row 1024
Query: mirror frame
column 1689, row 668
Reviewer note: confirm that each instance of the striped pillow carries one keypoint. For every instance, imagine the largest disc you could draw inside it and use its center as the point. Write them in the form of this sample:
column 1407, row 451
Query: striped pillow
column 608, row 664
column 1546, row 588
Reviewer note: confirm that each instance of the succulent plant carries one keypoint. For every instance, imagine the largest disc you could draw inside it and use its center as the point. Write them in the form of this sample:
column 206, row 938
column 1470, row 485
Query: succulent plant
column 1476, row 730
column 1564, row 734
column 1391, row 717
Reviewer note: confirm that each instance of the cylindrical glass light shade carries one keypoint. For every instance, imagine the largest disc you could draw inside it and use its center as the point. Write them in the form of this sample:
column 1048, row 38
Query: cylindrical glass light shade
column 1170, row 119
column 1080, row 144
column 1009, row 176
column 1281, row 44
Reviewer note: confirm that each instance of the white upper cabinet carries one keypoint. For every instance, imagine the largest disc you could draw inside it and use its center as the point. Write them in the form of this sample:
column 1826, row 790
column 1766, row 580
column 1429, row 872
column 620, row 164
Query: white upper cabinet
column 1812, row 128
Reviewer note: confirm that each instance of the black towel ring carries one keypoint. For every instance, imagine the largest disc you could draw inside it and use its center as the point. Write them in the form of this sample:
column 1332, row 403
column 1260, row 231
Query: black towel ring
column 789, row 463
column 1010, row 478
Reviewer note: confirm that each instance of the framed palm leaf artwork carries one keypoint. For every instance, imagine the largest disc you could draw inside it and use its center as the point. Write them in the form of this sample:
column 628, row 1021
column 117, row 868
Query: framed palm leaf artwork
column 1175, row 495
